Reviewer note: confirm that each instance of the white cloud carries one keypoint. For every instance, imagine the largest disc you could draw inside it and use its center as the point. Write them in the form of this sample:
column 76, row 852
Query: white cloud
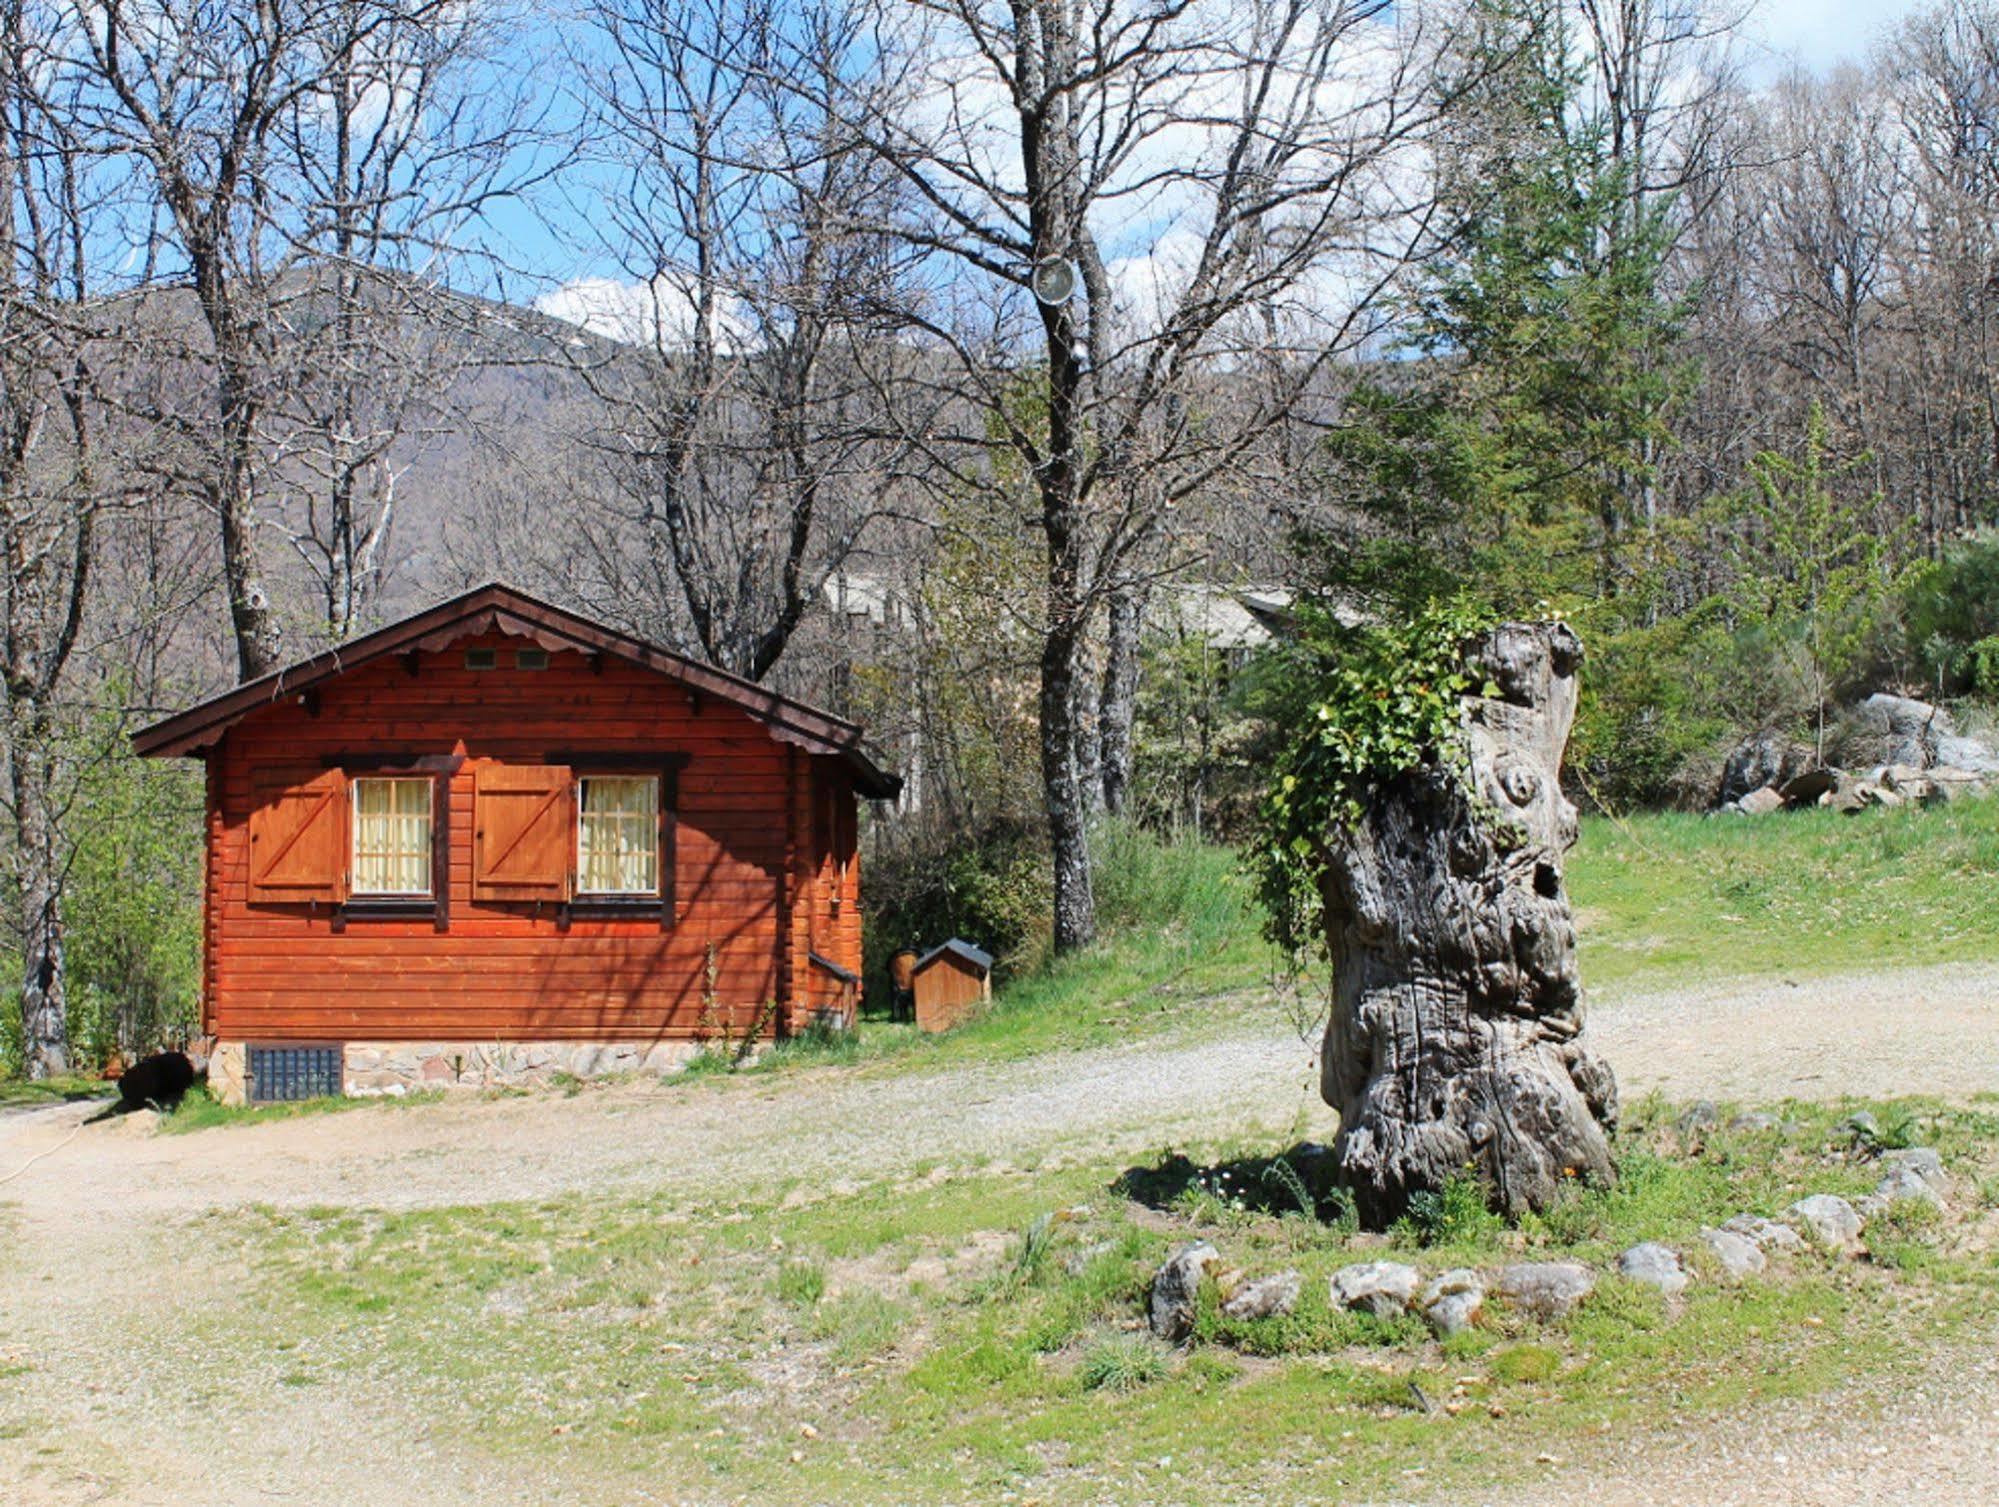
column 1821, row 33
column 659, row 314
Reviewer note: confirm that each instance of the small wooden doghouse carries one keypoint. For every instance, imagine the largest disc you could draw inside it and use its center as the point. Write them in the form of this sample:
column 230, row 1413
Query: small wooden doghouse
column 498, row 841
column 950, row 982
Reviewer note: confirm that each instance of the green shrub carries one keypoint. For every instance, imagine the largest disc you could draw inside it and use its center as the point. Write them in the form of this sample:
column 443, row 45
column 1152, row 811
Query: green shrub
column 1356, row 708
column 993, row 887
column 1661, row 705
column 133, row 945
column 131, row 907
column 1952, row 611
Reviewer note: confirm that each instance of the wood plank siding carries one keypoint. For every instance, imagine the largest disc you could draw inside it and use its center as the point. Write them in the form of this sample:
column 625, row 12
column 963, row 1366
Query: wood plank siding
column 758, row 843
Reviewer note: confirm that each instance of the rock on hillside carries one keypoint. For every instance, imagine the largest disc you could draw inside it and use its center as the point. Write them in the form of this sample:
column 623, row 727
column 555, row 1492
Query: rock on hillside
column 1923, row 759
column 1919, row 734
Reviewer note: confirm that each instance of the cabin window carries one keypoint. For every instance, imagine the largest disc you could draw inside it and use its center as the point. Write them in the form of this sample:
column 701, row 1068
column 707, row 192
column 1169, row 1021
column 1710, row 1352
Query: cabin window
column 617, row 835
column 392, row 820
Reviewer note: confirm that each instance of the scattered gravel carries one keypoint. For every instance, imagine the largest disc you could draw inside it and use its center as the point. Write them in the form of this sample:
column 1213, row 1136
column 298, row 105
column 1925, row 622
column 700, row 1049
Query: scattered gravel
column 1872, row 1443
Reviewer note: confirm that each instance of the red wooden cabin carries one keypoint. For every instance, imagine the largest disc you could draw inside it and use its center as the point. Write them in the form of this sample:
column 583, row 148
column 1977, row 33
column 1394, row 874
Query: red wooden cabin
column 498, row 840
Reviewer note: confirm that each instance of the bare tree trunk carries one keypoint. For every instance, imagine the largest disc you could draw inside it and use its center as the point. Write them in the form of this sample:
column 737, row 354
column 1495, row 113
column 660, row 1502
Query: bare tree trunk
column 1068, row 826
column 44, row 1002
column 1456, row 1037
column 1088, row 731
column 1117, row 709
column 250, row 615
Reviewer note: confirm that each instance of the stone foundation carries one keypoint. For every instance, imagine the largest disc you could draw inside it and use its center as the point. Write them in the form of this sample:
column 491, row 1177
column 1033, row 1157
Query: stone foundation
column 229, row 1072
column 378, row 1068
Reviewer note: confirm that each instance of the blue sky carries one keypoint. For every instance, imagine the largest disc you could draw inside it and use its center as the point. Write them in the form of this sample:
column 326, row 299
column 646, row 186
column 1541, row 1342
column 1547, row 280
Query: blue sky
column 1818, row 33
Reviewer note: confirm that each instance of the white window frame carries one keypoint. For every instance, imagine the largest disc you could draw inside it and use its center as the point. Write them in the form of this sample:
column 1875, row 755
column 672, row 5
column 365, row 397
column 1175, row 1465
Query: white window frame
column 429, row 890
column 658, row 889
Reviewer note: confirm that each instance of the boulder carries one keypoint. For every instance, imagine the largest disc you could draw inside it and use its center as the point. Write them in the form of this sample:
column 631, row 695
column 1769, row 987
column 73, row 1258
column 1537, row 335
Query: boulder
column 1263, row 1298
column 1921, row 735
column 1764, row 1234
column 1910, row 783
column 1656, row 1266
column 1384, row 1288
column 1545, row 1290
column 1809, row 788
column 1739, row 1256
column 1973, row 755
column 1901, row 1185
column 1907, row 728
column 1755, row 1122
column 1452, row 1303
column 1758, row 762
column 1920, row 1160
column 1950, row 784
column 1760, row 802
column 1176, row 1286
column 1851, row 793
column 1829, row 1219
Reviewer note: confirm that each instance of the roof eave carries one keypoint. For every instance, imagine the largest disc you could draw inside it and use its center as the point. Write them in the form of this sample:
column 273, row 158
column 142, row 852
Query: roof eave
column 195, row 730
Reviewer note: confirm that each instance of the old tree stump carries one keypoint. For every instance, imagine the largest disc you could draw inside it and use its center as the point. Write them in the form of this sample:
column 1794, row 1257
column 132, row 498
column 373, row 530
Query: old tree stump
column 1456, row 1039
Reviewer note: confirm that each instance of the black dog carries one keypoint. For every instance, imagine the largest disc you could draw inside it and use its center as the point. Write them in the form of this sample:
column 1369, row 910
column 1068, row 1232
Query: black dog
column 160, row 1082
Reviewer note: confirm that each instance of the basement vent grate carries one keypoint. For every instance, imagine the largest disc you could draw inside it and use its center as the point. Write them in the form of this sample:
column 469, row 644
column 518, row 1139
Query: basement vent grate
column 281, row 1075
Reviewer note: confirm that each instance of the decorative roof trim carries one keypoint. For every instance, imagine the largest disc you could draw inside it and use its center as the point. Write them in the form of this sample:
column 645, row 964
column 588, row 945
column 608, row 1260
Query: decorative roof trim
column 499, row 608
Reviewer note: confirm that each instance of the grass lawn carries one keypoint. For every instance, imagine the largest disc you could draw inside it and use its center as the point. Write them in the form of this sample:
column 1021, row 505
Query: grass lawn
column 967, row 1333
column 1660, row 899
column 20, row 1093
column 1664, row 898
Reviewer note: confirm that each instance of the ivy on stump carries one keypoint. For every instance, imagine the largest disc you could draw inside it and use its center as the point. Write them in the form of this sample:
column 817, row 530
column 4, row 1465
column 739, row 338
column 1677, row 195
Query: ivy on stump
column 1415, row 835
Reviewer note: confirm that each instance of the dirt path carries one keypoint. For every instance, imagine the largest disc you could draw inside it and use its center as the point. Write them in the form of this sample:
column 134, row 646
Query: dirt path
column 99, row 1270
column 1935, row 1443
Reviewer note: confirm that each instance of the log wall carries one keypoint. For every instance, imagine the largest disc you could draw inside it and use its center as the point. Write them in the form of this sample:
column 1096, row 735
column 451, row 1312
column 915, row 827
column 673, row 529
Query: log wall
column 751, row 878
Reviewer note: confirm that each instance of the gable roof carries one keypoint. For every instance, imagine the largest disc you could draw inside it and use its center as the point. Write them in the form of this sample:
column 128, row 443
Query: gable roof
column 495, row 608
column 957, row 947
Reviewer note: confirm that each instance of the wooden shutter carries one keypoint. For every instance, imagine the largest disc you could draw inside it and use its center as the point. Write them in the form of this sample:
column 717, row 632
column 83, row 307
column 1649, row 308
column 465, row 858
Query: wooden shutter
column 298, row 841
column 523, row 832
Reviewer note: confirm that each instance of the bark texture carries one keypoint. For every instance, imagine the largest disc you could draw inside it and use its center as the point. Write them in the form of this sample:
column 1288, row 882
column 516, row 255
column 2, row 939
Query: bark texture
column 38, row 879
column 1456, row 1039
column 1118, row 705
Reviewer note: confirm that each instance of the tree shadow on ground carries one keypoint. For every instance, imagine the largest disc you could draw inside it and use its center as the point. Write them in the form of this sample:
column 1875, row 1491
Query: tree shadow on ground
column 1297, row 1181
